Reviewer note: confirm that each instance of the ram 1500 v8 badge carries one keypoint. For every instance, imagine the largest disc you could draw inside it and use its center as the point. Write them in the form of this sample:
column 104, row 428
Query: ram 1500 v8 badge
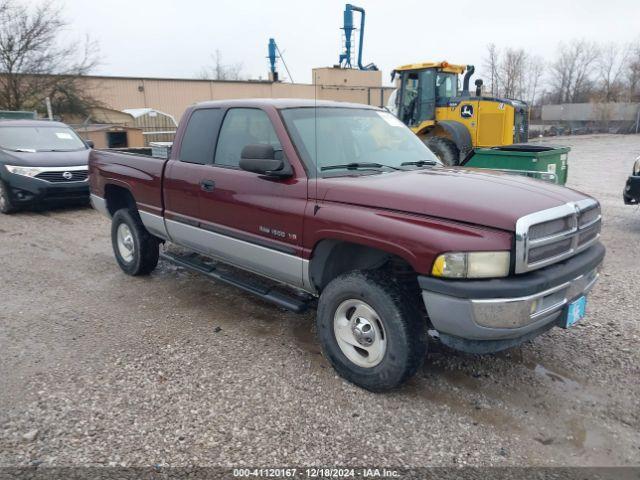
column 344, row 204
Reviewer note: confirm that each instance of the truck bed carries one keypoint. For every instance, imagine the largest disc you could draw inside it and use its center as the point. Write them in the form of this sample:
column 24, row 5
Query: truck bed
column 141, row 174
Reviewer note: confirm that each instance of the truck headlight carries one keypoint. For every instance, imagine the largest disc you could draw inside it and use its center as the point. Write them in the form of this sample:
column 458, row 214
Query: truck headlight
column 472, row 265
column 26, row 171
column 636, row 167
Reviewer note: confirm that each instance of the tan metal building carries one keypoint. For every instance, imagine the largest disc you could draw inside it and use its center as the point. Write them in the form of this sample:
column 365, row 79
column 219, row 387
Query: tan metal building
column 173, row 96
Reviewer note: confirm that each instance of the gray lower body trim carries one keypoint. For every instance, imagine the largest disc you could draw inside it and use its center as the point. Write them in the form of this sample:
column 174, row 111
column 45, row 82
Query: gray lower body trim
column 155, row 224
column 100, row 204
column 282, row 267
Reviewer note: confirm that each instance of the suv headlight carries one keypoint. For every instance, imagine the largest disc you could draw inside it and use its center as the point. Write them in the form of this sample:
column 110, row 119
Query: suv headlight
column 472, row 265
column 636, row 167
column 26, row 171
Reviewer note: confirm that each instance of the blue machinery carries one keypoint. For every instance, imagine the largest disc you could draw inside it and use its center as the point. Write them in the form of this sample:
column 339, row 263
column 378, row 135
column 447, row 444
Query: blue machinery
column 345, row 58
column 274, row 54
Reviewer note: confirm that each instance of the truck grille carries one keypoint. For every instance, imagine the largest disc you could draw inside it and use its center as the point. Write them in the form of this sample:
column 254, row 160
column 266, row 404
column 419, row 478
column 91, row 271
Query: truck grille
column 549, row 236
column 59, row 176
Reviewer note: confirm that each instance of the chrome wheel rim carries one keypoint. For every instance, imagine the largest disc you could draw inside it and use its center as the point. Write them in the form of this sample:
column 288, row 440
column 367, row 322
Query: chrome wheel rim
column 360, row 333
column 126, row 246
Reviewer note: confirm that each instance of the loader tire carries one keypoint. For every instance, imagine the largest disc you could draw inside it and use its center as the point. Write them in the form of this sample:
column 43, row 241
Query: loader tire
column 445, row 149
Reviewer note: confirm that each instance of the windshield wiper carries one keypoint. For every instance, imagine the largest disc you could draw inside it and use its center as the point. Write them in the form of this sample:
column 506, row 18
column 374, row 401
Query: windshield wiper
column 60, row 150
column 421, row 163
column 23, row 150
column 357, row 165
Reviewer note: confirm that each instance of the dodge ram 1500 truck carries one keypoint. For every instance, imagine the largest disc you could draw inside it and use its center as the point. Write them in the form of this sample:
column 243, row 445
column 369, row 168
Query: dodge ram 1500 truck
column 344, row 206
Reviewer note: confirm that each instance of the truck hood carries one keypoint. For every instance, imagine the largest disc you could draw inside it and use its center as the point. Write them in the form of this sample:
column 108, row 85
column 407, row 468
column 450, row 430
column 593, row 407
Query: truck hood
column 45, row 159
column 480, row 197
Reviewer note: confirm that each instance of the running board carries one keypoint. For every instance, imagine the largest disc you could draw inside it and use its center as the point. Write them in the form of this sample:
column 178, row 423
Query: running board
column 191, row 262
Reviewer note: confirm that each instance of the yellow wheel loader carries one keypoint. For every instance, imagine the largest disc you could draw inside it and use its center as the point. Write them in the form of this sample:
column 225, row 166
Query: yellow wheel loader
column 450, row 120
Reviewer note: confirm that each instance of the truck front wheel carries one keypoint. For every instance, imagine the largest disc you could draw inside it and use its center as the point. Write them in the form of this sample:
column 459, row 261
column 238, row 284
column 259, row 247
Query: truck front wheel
column 135, row 249
column 371, row 333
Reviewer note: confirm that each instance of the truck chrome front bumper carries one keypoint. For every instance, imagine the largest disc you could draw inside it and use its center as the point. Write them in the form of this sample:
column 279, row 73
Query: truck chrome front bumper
column 491, row 315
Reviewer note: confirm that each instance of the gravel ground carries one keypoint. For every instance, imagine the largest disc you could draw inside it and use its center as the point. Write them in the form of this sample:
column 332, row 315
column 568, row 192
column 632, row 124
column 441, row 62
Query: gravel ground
column 98, row 368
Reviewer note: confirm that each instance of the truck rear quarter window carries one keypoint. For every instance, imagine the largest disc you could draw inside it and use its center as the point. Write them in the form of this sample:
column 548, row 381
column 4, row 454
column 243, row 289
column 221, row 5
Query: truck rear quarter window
column 200, row 136
column 242, row 127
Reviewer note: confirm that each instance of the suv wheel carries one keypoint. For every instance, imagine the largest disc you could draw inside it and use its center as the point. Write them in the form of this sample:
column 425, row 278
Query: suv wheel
column 373, row 335
column 136, row 250
column 6, row 205
column 444, row 149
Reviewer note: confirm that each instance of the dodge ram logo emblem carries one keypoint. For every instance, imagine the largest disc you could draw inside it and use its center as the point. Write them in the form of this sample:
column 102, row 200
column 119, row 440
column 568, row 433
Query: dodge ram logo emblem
column 466, row 111
column 67, row 175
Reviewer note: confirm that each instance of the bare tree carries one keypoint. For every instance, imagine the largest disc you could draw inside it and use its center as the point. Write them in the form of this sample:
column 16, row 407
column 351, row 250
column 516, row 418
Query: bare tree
column 534, row 77
column 610, row 65
column 632, row 73
column 571, row 72
column 511, row 73
column 220, row 71
column 491, row 66
column 35, row 64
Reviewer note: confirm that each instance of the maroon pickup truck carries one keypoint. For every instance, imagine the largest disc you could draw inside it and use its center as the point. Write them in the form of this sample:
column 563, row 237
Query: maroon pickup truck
column 342, row 206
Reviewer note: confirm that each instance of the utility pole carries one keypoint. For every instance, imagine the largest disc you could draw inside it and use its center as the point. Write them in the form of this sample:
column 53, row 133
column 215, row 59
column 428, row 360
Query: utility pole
column 47, row 101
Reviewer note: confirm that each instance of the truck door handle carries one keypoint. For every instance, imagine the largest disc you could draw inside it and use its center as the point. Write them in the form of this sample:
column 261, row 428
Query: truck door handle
column 207, row 185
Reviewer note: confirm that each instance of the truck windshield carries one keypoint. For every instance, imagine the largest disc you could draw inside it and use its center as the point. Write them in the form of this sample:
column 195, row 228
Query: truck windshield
column 333, row 136
column 40, row 139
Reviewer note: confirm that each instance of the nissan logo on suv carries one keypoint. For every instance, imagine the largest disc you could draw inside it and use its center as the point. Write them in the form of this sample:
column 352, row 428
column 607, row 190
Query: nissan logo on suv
column 67, row 175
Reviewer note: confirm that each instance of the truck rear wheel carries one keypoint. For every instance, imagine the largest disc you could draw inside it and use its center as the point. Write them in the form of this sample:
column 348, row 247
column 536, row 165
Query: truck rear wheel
column 135, row 249
column 371, row 333
column 443, row 148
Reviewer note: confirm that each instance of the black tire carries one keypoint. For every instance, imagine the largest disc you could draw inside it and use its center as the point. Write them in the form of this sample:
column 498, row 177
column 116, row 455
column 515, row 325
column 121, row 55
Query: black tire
column 6, row 205
column 404, row 328
column 146, row 247
column 445, row 149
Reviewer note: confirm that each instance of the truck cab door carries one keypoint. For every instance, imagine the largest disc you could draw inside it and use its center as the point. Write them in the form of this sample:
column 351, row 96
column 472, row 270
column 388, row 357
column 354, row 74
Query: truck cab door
column 185, row 172
column 251, row 221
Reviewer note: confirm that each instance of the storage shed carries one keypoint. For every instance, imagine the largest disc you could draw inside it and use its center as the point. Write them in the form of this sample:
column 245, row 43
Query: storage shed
column 156, row 126
column 111, row 136
column 99, row 115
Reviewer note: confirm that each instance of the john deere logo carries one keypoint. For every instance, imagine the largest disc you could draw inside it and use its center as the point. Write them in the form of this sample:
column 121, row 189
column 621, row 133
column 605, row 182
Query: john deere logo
column 466, row 111
column 67, row 175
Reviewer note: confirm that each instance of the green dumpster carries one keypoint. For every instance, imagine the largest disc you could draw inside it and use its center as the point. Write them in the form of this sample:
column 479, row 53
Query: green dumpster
column 544, row 162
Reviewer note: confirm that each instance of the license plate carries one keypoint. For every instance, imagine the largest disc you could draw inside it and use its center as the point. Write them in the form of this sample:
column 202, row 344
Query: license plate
column 575, row 311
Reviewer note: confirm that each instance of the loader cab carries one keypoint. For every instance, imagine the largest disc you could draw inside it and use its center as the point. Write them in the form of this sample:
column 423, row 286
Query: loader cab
column 424, row 88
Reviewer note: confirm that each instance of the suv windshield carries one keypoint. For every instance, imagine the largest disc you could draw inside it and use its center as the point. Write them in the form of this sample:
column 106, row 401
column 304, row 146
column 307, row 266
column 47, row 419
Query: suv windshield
column 40, row 139
column 330, row 137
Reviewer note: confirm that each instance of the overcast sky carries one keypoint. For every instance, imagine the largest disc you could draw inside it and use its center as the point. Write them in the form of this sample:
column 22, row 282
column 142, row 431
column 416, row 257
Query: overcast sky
column 166, row 38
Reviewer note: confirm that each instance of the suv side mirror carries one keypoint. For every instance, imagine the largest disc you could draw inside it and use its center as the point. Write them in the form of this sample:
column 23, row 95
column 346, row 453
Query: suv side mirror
column 89, row 143
column 262, row 159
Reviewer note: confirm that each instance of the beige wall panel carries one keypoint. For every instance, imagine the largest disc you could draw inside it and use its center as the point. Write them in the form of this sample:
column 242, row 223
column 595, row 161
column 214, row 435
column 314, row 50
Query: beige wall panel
column 174, row 96
column 341, row 76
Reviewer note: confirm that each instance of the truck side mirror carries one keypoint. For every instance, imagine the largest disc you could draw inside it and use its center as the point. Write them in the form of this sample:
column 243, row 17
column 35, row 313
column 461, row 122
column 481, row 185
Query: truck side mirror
column 264, row 160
